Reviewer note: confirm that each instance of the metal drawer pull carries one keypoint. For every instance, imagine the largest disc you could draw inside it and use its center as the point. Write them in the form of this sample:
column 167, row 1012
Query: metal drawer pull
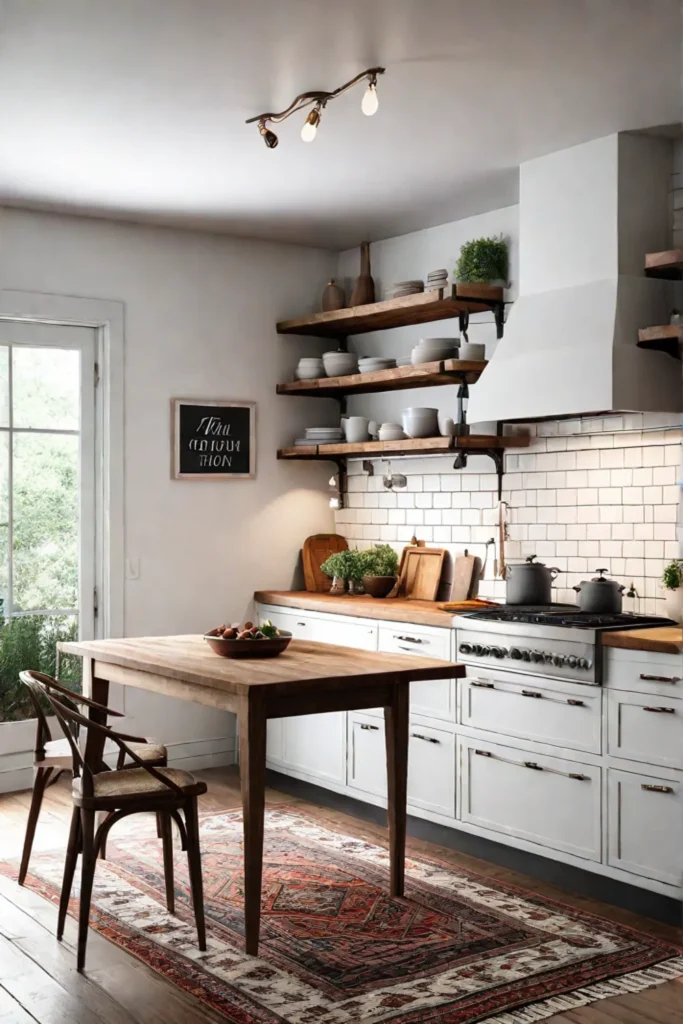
column 369, row 728
column 660, row 679
column 532, row 693
column 482, row 684
column 576, row 703
column 536, row 767
column 408, row 649
column 427, row 739
column 657, row 789
column 662, row 711
column 410, row 639
column 301, row 623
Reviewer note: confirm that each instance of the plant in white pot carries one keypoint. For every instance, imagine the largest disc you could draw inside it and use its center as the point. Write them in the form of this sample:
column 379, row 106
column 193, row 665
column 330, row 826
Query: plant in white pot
column 672, row 580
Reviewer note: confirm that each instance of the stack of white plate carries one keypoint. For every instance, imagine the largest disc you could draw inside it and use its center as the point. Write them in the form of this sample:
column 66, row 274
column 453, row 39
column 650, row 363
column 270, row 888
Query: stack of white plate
column 321, row 435
column 436, row 279
column 368, row 364
column 430, row 350
column 404, row 288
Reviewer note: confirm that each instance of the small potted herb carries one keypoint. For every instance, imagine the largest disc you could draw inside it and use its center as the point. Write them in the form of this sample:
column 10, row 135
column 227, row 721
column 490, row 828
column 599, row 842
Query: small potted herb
column 483, row 261
column 345, row 569
column 380, row 568
column 672, row 580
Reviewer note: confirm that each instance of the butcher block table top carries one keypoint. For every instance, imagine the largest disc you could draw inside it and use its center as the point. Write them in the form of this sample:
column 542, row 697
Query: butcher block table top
column 304, row 666
column 660, row 639
column 392, row 609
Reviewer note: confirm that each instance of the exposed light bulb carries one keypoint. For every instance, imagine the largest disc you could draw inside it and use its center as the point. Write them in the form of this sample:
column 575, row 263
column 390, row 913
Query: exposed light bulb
column 308, row 132
column 370, row 102
column 270, row 138
column 335, row 503
column 332, row 481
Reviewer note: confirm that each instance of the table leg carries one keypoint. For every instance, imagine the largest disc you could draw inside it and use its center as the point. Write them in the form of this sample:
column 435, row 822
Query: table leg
column 252, row 726
column 396, row 732
column 97, row 689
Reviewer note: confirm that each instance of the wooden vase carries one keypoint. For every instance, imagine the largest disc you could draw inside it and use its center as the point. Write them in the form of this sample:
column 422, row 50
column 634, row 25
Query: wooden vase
column 334, row 297
column 364, row 288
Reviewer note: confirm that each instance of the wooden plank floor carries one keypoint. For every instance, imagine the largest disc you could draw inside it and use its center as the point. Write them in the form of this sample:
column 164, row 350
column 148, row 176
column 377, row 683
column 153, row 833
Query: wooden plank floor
column 39, row 983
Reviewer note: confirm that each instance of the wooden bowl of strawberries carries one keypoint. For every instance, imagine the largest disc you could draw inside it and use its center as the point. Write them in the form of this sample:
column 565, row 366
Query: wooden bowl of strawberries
column 248, row 641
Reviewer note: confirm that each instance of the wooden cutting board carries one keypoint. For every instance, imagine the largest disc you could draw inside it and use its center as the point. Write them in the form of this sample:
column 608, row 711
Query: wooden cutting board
column 315, row 551
column 463, row 570
column 419, row 574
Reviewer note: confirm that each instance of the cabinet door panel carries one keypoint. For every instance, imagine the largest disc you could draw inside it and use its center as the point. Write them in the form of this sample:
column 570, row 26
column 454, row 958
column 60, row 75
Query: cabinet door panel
column 316, row 745
column 645, row 825
column 646, row 729
column 556, row 713
column 532, row 796
column 435, row 698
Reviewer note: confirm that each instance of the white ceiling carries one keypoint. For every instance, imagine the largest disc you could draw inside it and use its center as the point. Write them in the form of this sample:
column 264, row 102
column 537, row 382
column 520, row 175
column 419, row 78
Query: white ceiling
column 136, row 108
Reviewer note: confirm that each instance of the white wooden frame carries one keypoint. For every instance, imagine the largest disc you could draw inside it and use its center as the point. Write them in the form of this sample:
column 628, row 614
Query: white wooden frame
column 107, row 317
column 176, row 406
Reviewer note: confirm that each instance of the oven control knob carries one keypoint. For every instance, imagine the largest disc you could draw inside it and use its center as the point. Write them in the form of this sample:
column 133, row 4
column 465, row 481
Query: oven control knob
column 465, row 648
column 572, row 661
column 548, row 658
column 498, row 652
column 526, row 654
column 558, row 659
column 477, row 649
column 537, row 656
column 585, row 663
column 515, row 653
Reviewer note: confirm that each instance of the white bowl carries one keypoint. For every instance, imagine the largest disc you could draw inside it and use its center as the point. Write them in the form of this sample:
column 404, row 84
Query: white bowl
column 472, row 350
column 340, row 364
column 391, row 432
column 309, row 373
column 421, row 422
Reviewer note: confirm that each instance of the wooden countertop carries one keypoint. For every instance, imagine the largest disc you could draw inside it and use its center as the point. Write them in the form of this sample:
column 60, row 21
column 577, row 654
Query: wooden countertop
column 393, row 609
column 660, row 639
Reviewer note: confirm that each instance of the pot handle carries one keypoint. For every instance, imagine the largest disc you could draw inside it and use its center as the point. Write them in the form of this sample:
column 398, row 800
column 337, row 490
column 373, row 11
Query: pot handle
column 554, row 572
column 577, row 588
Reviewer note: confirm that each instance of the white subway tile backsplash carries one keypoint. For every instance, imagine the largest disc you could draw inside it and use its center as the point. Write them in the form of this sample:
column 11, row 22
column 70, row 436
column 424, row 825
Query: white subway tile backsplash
column 601, row 491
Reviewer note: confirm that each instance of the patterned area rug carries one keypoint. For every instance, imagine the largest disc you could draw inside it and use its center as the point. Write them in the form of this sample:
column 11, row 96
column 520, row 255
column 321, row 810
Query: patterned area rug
column 336, row 949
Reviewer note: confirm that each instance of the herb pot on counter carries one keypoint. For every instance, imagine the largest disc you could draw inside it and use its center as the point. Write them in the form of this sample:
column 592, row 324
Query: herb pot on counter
column 529, row 582
column 600, row 596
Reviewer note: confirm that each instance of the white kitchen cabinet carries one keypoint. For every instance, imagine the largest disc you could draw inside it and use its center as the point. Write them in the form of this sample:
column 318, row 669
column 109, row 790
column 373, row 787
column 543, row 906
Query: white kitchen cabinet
column 561, row 714
column 315, row 745
column 643, row 672
column 435, row 698
column 541, row 799
column 431, row 763
column 645, row 825
column 645, row 728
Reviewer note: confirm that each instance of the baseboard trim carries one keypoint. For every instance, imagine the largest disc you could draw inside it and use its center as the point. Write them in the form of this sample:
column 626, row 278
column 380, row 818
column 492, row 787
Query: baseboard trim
column 564, row 876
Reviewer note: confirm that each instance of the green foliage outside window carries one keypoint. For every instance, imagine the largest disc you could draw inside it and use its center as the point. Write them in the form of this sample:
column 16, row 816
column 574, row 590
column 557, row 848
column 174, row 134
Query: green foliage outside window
column 30, row 642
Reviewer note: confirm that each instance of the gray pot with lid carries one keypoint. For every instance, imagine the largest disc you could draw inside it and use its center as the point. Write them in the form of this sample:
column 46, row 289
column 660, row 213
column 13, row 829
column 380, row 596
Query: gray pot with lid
column 600, row 596
column 529, row 582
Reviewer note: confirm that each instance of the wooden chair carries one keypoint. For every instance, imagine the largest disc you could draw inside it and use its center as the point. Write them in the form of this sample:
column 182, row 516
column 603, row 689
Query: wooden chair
column 164, row 791
column 52, row 757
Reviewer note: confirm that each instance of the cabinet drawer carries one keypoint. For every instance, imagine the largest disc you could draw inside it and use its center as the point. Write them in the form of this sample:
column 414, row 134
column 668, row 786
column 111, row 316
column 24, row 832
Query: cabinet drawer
column 532, row 796
column 642, row 728
column 431, row 763
column 326, row 631
column 645, row 825
column 643, row 672
column 434, row 698
column 560, row 714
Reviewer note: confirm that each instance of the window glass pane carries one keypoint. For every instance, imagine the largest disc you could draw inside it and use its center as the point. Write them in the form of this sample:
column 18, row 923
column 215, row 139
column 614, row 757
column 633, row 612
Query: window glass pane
column 45, row 521
column 45, row 387
column 31, row 640
column 4, row 519
column 4, row 386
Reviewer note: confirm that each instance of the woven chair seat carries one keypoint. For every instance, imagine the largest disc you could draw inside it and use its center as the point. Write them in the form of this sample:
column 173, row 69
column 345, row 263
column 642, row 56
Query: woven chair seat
column 137, row 784
column 58, row 753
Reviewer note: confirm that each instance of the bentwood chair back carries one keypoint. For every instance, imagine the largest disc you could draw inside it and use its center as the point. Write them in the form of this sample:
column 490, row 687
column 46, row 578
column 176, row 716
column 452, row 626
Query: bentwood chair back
column 164, row 791
column 51, row 756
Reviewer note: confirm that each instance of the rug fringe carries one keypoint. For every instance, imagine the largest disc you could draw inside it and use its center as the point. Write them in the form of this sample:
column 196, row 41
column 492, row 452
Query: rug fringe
column 625, row 985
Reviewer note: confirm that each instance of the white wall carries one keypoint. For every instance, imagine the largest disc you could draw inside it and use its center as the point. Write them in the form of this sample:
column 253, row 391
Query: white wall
column 200, row 313
column 413, row 256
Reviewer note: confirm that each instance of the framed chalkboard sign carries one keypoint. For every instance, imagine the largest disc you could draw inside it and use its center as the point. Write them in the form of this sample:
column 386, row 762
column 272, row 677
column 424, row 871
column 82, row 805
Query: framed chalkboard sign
column 213, row 440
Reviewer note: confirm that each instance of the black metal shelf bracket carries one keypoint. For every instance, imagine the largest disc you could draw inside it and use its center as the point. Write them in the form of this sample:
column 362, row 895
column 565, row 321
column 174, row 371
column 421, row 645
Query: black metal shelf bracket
column 496, row 454
column 497, row 307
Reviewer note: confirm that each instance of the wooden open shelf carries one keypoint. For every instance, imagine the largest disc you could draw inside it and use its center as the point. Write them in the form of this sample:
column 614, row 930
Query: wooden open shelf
column 666, row 338
column 409, row 446
column 423, row 308
column 424, row 375
column 667, row 264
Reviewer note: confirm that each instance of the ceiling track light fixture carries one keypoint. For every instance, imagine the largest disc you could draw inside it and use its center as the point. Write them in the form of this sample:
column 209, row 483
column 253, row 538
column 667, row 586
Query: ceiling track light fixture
column 318, row 100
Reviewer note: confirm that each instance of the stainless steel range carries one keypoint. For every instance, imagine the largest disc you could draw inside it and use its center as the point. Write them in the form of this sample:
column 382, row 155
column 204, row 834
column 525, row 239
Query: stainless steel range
column 554, row 641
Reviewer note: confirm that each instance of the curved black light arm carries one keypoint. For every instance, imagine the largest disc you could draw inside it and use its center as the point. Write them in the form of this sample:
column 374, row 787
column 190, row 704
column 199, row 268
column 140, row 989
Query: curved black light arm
column 305, row 99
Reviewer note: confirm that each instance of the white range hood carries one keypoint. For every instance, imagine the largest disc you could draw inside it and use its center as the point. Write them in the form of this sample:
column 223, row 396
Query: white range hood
column 588, row 215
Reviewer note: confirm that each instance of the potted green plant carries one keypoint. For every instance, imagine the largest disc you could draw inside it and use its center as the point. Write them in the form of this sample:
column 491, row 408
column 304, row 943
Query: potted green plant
column 337, row 568
column 380, row 568
column 672, row 580
column 483, row 261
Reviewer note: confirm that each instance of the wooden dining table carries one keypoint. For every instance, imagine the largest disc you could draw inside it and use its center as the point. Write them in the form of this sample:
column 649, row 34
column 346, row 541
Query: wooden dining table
column 308, row 678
